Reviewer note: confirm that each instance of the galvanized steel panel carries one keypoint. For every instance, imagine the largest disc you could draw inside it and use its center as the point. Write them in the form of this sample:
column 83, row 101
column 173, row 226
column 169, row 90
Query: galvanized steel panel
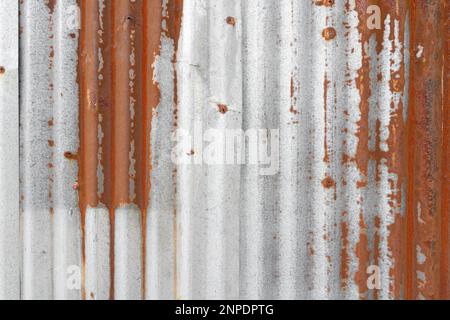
column 129, row 188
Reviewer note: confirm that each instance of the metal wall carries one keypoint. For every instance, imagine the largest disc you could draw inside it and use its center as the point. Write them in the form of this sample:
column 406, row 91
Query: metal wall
column 124, row 187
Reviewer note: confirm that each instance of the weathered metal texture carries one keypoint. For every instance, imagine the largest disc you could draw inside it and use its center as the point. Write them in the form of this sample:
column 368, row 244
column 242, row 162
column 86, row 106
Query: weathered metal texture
column 359, row 181
column 9, row 152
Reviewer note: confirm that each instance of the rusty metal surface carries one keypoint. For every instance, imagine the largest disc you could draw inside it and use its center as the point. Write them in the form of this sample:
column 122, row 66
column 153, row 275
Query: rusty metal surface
column 129, row 188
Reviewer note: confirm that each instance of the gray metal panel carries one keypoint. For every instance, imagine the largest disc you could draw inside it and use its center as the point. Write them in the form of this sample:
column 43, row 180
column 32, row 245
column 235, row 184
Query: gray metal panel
column 9, row 151
column 332, row 182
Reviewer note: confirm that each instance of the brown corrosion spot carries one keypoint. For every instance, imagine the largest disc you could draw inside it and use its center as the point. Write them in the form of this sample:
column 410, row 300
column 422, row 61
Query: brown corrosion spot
column 50, row 123
column 329, row 33
column 191, row 153
column 326, row 3
column 328, row 183
column 361, row 183
column 69, row 155
column 231, row 21
column 2, row 70
column 222, row 108
column 72, row 35
column 51, row 143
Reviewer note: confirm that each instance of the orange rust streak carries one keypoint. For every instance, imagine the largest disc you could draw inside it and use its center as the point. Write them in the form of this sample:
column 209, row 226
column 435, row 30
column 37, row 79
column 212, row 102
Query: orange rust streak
column 120, row 60
column 445, row 222
column 395, row 161
column 410, row 262
column 88, row 105
column 150, row 100
column 105, row 105
column 88, row 49
column 427, row 161
column 362, row 153
column 394, row 158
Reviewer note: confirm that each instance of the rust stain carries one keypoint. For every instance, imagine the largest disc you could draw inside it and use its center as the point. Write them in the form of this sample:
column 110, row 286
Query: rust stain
column 222, row 108
column 119, row 45
column 70, row 156
column 231, row 21
column 417, row 148
column 174, row 19
column 2, row 70
column 326, row 3
column 427, row 218
column 51, row 4
column 328, row 183
column 329, row 33
column 87, row 78
column 445, row 221
column 345, row 259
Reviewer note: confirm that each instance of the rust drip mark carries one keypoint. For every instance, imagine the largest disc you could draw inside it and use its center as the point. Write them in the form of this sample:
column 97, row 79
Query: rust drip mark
column 51, row 4
column 2, row 70
column 174, row 20
column 222, row 108
column 121, row 97
column 87, row 79
column 293, row 108
column 326, row 82
column 329, row 33
column 151, row 38
column 231, row 21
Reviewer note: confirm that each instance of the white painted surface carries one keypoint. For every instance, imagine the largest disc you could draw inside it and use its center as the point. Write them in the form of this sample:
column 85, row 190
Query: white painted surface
column 9, row 152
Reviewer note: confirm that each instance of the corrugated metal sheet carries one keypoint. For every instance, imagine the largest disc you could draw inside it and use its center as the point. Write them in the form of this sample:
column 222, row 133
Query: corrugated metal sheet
column 129, row 188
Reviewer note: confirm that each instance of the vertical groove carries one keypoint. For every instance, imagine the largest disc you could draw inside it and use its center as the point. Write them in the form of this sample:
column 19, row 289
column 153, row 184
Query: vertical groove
column 445, row 221
column 88, row 71
column 427, row 67
column 409, row 283
column 363, row 177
